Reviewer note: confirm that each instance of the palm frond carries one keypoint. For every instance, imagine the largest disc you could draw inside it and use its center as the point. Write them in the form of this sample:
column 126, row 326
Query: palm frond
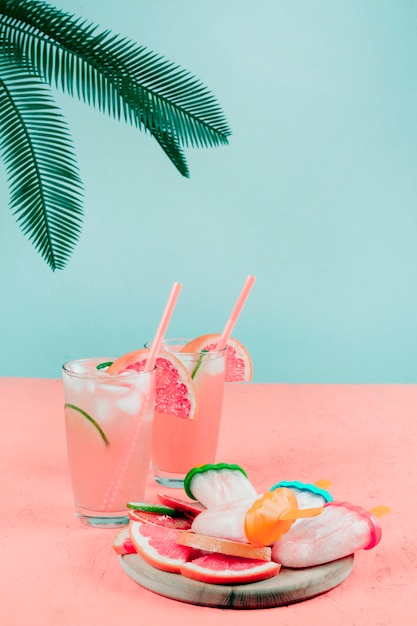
column 119, row 77
column 171, row 148
column 45, row 188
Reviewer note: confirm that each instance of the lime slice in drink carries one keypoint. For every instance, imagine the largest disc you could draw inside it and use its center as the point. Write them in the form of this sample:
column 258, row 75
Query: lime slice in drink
column 90, row 419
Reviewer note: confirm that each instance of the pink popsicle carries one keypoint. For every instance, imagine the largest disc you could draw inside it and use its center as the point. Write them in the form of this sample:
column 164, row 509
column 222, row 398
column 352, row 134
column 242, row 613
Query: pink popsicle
column 341, row 529
column 225, row 521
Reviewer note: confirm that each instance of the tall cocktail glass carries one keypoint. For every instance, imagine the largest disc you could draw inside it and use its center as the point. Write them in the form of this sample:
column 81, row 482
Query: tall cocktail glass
column 179, row 444
column 108, row 421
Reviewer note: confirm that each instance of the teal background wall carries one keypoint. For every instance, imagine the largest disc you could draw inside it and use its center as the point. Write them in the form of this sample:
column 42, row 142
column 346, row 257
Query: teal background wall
column 316, row 195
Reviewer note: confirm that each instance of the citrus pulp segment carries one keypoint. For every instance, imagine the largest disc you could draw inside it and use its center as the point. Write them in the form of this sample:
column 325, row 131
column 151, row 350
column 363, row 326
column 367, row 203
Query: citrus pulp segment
column 238, row 360
column 174, row 393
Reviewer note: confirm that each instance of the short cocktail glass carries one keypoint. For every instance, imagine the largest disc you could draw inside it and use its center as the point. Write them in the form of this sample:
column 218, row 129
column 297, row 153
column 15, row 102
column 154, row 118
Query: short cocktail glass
column 180, row 444
column 108, row 421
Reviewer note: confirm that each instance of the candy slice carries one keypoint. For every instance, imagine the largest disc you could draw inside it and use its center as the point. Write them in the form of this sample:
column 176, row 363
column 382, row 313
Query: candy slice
column 223, row 546
column 340, row 530
column 218, row 484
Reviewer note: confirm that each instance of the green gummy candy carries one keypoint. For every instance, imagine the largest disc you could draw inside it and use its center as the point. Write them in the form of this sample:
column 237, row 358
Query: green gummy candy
column 205, row 468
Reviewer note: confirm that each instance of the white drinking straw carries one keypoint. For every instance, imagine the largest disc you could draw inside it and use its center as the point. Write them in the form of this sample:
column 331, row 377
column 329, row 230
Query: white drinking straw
column 230, row 324
column 150, row 364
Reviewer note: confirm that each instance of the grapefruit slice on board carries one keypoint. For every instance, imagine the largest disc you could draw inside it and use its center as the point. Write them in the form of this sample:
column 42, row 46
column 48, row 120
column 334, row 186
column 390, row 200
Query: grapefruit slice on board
column 221, row 569
column 180, row 523
column 238, row 360
column 174, row 393
column 158, row 546
column 188, row 508
column 122, row 543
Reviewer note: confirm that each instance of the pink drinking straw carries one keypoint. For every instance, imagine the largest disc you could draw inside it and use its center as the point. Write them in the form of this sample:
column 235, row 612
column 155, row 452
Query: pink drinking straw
column 163, row 325
column 150, row 364
column 230, row 324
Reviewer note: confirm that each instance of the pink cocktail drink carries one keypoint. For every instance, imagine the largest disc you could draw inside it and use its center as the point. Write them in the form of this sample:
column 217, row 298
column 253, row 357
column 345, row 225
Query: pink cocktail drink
column 179, row 444
column 109, row 427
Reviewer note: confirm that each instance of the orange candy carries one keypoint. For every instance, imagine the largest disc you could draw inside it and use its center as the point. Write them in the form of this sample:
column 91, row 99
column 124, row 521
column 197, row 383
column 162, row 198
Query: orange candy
column 272, row 515
column 263, row 521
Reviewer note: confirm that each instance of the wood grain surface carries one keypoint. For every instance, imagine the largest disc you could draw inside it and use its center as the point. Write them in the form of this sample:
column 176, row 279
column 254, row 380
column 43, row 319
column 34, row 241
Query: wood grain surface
column 288, row 587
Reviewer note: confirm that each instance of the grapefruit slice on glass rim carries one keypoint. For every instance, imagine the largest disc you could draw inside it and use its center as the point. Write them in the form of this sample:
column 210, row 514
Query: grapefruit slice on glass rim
column 238, row 360
column 174, row 394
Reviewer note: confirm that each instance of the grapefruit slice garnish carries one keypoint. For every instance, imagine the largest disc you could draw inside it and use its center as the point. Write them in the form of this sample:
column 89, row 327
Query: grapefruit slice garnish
column 174, row 393
column 220, row 569
column 224, row 546
column 238, row 359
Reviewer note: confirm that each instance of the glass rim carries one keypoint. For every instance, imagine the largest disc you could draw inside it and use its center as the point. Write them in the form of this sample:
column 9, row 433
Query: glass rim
column 170, row 341
column 97, row 373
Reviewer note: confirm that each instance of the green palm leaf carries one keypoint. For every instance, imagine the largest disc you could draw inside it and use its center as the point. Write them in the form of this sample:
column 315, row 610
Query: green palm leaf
column 40, row 46
column 45, row 187
column 118, row 76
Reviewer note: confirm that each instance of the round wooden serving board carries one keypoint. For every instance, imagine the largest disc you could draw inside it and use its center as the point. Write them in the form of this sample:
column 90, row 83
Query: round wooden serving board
column 289, row 586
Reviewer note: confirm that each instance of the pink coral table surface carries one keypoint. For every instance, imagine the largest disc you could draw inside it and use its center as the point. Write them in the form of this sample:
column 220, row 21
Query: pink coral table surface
column 363, row 438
